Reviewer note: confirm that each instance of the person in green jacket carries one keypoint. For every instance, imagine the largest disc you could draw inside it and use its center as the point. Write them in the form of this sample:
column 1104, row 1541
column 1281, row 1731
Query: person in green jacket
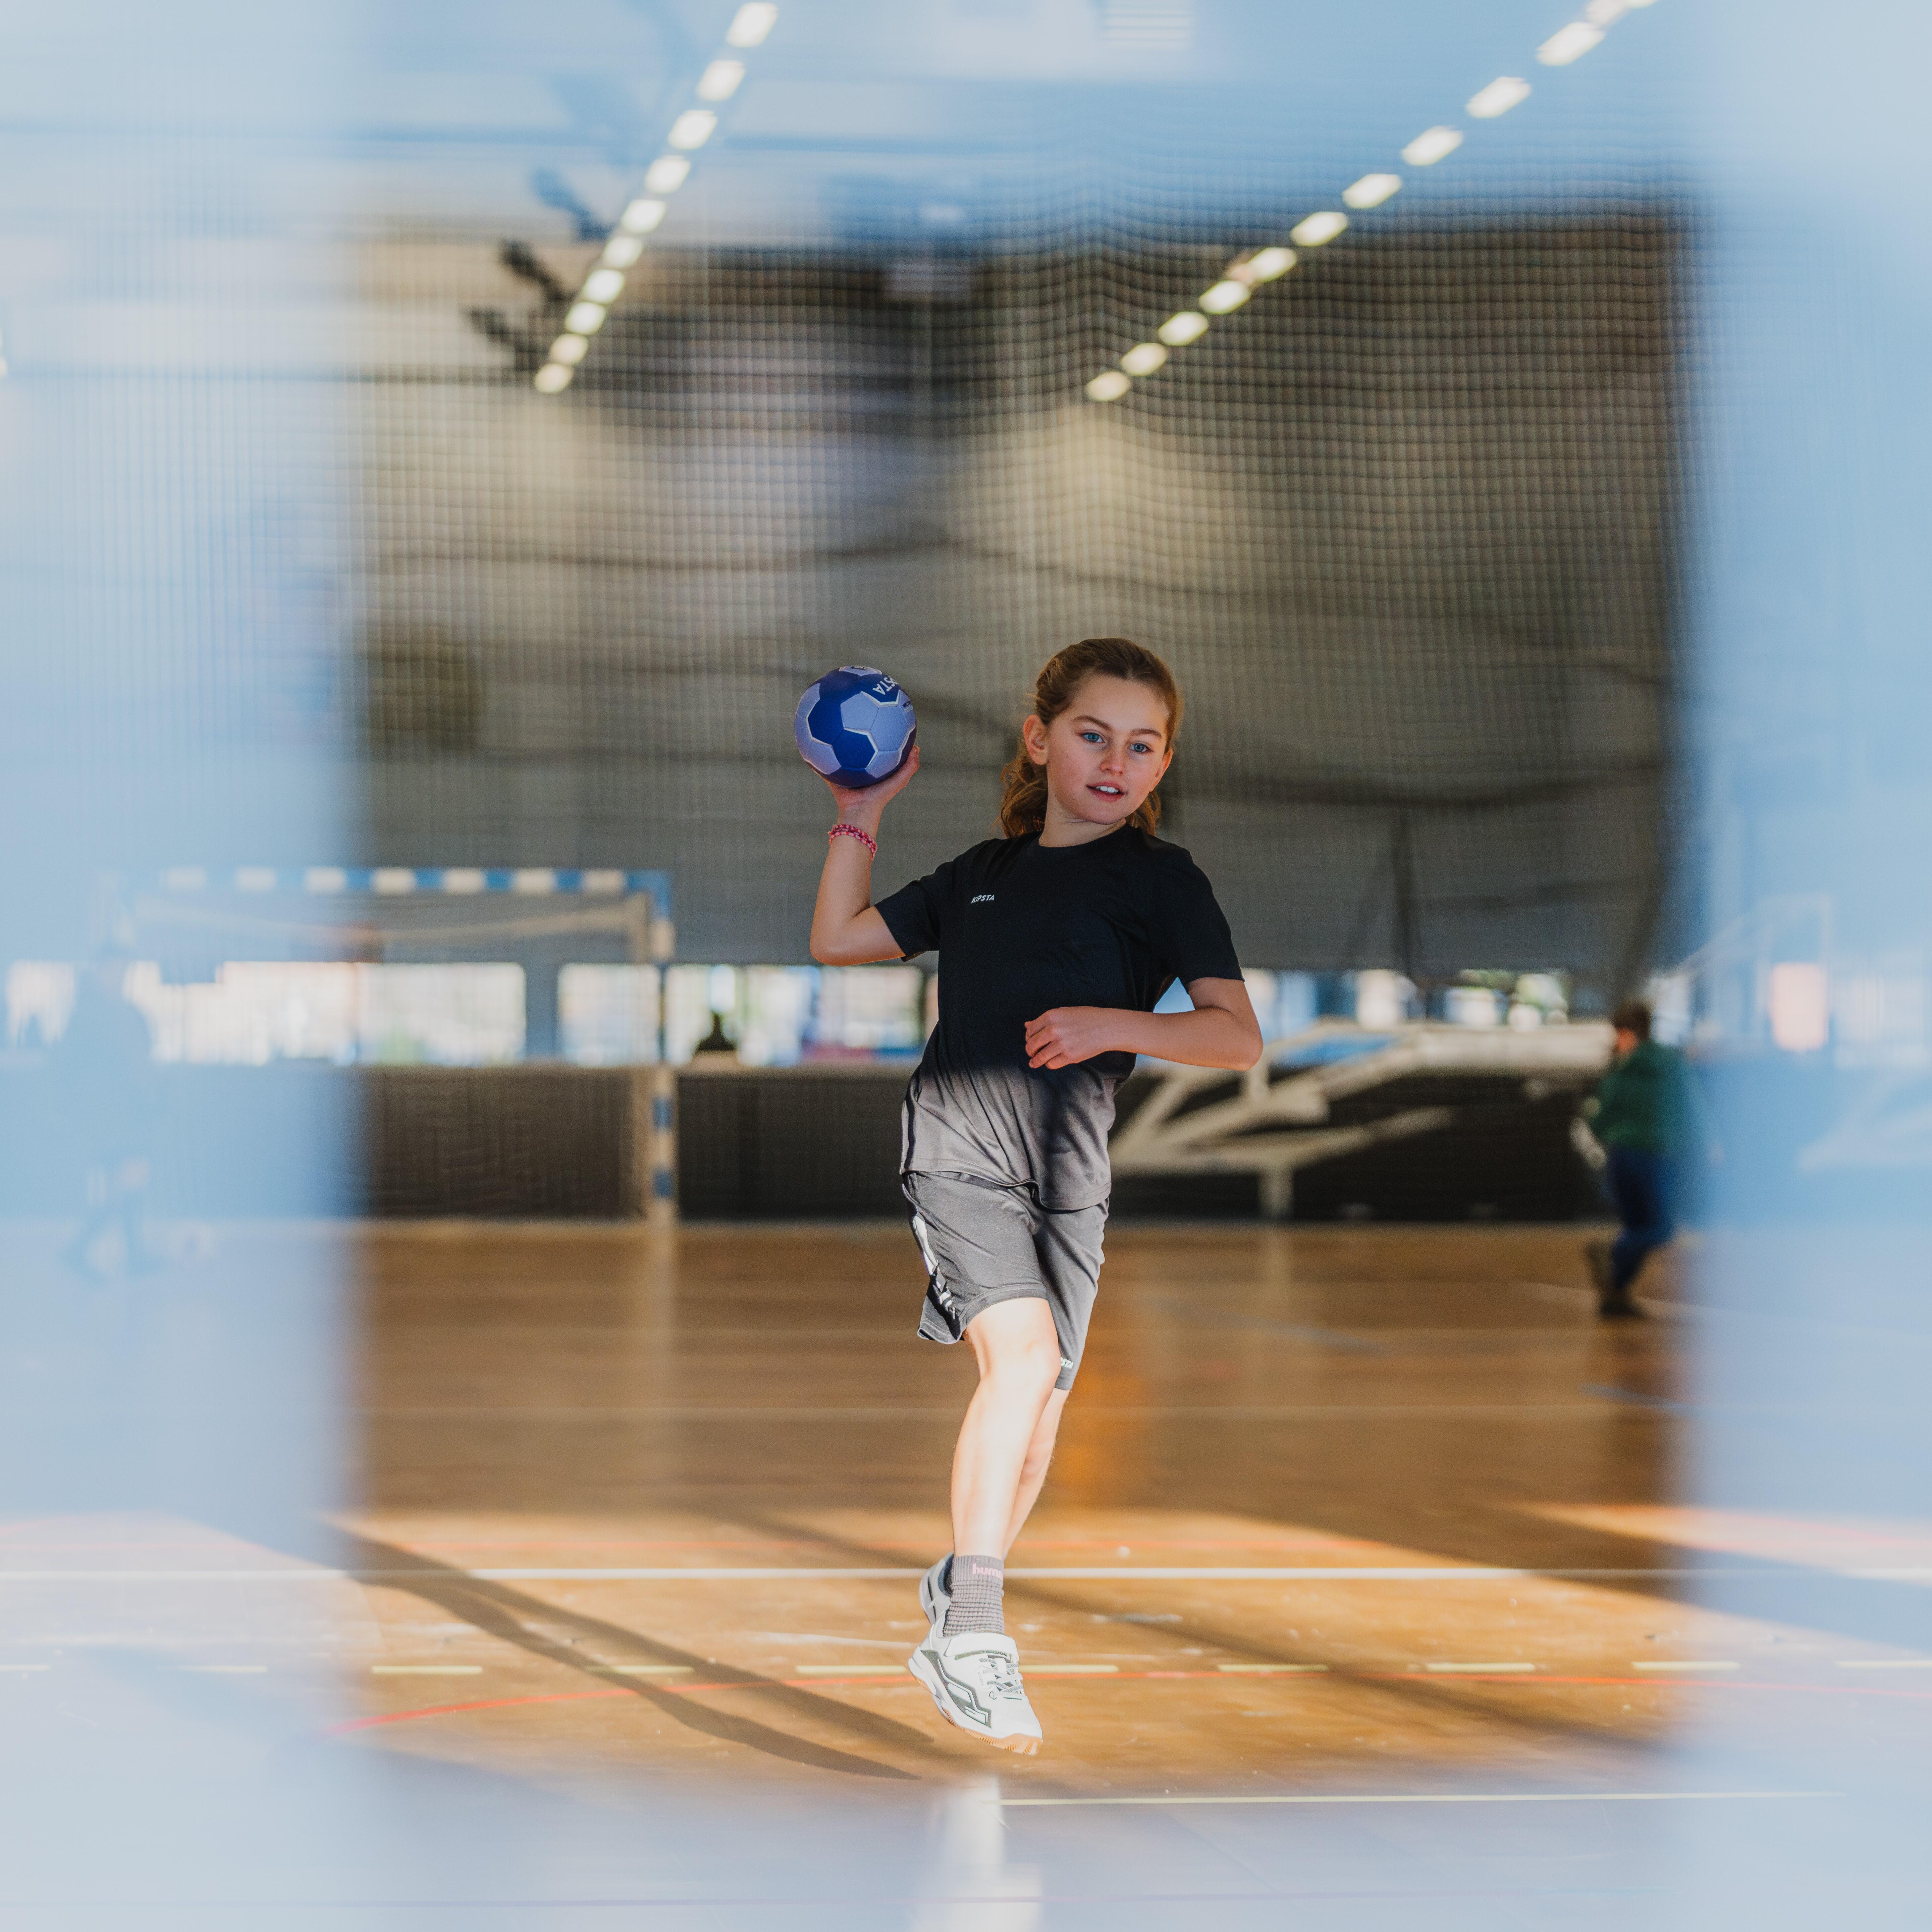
column 1642, row 1117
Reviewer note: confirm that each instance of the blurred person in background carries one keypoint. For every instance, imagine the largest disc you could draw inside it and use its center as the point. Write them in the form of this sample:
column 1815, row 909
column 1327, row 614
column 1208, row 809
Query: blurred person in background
column 1643, row 1116
column 104, row 1064
column 717, row 1040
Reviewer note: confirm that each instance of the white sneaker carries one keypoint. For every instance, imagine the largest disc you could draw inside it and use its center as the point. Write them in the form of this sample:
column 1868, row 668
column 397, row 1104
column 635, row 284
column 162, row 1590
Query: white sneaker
column 975, row 1680
column 935, row 1598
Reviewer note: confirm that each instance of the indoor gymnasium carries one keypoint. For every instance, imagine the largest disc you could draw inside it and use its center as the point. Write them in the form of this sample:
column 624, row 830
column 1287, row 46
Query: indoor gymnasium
column 966, row 967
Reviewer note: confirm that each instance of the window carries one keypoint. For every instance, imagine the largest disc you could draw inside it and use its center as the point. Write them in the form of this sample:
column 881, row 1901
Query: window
column 40, row 997
column 253, row 1012
column 607, row 1015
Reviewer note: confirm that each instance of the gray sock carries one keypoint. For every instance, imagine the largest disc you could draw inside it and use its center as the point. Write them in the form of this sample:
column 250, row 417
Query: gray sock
column 977, row 1583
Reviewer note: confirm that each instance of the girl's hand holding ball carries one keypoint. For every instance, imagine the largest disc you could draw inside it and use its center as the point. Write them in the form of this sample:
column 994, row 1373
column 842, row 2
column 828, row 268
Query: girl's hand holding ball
column 862, row 807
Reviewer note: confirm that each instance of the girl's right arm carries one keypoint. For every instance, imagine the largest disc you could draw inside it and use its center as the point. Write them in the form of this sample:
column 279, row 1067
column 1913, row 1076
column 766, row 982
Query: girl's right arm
column 845, row 929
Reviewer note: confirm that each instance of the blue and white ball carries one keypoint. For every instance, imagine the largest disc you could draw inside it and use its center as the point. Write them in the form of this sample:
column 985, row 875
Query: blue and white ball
column 854, row 726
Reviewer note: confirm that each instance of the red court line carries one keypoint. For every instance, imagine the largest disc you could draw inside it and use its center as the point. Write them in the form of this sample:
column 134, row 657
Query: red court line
column 1520, row 1680
column 478, row 1704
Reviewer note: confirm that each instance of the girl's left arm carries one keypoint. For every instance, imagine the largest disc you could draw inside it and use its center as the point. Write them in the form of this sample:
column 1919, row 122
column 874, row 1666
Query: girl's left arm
column 1221, row 1031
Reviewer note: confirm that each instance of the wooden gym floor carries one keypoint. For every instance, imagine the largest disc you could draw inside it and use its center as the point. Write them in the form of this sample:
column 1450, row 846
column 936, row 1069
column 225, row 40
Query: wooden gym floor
column 1330, row 1508
column 1340, row 1516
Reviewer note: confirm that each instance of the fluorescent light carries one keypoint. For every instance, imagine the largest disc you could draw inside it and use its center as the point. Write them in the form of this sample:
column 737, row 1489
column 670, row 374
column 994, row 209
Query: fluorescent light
column 1109, row 386
column 1264, row 266
column 586, row 318
column 641, row 216
column 1431, row 144
column 1498, row 98
column 666, row 174
column 603, row 285
column 621, row 250
column 1224, row 296
column 553, row 376
column 693, row 127
column 1568, row 43
column 719, row 81
column 1319, row 228
column 1177, row 330
column 752, row 23
column 1144, row 358
column 1607, row 12
column 1372, row 190
column 569, row 348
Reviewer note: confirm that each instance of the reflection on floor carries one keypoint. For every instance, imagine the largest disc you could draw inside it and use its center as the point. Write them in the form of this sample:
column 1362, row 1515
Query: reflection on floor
column 1361, row 1580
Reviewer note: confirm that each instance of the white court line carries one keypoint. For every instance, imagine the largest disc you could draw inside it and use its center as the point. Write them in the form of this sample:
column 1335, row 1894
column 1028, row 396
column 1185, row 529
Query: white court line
column 1433, row 1797
column 1678, row 1663
column 1433, row 1572
column 1484, row 1669
column 949, row 1412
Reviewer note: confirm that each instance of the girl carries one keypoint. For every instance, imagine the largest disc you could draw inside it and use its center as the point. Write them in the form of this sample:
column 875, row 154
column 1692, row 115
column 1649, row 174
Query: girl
column 1055, row 940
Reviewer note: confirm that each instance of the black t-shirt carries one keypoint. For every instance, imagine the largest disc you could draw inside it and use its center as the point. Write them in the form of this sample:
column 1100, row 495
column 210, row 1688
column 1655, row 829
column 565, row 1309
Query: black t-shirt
column 1020, row 929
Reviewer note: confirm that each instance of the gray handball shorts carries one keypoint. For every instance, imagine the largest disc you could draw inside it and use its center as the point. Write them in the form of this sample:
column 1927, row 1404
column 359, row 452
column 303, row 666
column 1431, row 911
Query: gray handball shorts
column 983, row 1243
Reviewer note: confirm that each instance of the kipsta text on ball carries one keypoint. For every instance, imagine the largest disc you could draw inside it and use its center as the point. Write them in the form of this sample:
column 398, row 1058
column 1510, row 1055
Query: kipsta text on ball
column 854, row 726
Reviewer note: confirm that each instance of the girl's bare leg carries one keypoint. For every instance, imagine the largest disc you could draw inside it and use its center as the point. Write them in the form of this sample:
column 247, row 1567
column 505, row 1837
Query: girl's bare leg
column 996, row 1470
column 1032, row 1471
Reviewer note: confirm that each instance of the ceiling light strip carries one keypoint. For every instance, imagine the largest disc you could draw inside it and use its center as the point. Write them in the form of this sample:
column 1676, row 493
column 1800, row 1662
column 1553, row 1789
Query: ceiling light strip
column 691, row 128
column 1242, row 275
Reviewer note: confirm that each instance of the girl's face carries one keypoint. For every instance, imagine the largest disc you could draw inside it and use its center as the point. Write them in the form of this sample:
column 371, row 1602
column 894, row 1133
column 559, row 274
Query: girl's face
column 1105, row 752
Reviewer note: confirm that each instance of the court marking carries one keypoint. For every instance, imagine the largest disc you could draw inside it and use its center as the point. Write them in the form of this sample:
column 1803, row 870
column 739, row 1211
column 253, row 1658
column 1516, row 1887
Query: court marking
column 1424, row 1798
column 1478, row 1669
column 1246, row 1412
column 874, row 1680
column 1434, row 1573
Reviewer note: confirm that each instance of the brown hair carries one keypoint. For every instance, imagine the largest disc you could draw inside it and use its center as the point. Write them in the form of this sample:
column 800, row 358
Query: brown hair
column 1023, row 806
column 1633, row 1016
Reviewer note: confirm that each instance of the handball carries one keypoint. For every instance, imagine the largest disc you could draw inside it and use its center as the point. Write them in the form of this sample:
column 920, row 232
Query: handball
column 854, row 726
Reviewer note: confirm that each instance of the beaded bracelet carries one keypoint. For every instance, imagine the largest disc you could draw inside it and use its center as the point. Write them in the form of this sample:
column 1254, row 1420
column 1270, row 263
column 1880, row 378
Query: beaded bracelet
column 864, row 838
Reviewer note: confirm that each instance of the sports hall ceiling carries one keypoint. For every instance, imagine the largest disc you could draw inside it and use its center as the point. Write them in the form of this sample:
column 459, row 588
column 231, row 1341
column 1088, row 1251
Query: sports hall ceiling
column 856, row 117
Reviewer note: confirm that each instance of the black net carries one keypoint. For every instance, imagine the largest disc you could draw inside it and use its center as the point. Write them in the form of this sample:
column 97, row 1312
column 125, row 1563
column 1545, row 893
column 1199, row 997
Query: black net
column 1403, row 526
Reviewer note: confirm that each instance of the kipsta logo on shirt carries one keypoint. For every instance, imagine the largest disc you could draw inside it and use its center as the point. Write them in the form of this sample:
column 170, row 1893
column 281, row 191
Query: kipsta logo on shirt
column 981, row 899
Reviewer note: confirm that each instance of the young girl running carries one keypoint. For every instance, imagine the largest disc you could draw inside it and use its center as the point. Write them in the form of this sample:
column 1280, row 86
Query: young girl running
column 1055, row 941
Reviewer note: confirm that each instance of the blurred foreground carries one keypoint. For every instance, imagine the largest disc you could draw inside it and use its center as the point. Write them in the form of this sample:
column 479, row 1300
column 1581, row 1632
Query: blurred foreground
column 1364, row 1581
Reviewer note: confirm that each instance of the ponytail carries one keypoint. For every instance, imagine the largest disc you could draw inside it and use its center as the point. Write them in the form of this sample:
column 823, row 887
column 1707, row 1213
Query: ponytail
column 1023, row 806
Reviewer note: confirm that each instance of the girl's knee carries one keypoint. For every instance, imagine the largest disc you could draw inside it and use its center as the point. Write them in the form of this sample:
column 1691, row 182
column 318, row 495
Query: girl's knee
column 1039, row 1361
